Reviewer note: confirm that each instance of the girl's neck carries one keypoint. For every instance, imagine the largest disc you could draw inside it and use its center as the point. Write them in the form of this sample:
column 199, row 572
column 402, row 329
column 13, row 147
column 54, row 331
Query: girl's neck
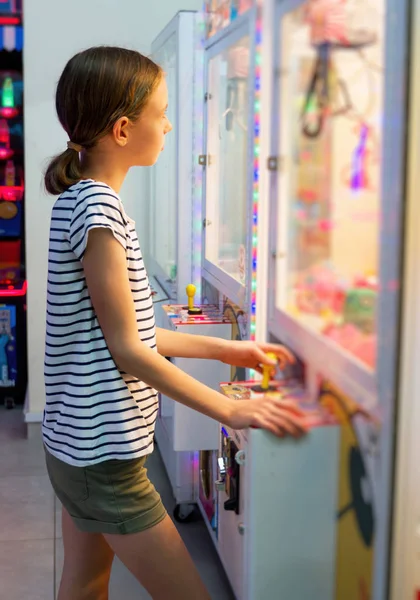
column 104, row 170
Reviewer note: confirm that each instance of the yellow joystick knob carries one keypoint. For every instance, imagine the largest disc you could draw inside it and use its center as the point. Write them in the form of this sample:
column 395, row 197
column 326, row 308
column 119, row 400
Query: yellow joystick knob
column 267, row 370
column 190, row 289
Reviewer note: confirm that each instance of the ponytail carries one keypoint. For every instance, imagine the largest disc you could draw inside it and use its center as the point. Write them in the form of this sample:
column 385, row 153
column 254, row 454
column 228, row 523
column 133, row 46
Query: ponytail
column 63, row 171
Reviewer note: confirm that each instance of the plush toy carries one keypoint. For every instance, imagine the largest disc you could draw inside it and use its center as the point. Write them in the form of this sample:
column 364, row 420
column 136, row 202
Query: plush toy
column 360, row 309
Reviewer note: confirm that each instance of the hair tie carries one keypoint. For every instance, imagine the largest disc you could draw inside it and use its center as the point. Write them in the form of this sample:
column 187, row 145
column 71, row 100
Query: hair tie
column 73, row 146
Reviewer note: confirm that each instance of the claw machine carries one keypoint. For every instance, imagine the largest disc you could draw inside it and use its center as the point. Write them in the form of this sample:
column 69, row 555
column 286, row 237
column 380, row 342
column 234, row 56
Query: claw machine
column 231, row 177
column 335, row 171
column 175, row 255
column 13, row 359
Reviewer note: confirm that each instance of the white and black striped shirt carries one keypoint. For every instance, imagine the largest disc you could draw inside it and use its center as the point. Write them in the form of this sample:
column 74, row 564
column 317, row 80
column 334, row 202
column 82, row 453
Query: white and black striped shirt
column 93, row 411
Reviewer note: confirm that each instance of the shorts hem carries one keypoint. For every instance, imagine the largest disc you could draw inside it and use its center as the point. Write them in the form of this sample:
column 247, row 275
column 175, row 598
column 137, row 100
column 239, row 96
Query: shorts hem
column 135, row 525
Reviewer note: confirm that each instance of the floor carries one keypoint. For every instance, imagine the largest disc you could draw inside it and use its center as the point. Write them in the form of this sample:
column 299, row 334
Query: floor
column 31, row 550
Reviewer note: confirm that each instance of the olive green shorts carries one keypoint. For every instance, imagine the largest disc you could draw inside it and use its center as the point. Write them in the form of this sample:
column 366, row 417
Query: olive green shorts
column 115, row 496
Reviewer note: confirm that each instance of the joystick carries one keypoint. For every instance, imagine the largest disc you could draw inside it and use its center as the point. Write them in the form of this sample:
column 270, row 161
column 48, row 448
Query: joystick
column 265, row 386
column 192, row 310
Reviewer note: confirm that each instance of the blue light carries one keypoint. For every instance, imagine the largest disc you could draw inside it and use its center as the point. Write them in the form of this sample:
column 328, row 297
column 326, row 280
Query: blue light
column 256, row 175
column 254, row 264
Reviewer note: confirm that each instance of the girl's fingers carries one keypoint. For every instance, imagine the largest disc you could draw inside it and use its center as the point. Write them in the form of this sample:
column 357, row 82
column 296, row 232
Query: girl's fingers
column 287, row 406
column 298, row 424
column 269, row 425
column 280, row 351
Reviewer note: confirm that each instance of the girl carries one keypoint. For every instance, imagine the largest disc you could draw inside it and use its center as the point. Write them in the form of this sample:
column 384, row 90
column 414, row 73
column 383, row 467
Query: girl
column 104, row 358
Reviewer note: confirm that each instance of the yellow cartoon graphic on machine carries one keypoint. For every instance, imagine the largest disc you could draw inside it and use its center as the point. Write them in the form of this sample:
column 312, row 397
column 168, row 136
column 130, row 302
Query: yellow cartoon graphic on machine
column 356, row 507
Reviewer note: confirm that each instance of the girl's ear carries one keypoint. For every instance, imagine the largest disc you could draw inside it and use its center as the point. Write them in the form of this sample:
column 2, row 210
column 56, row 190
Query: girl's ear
column 120, row 131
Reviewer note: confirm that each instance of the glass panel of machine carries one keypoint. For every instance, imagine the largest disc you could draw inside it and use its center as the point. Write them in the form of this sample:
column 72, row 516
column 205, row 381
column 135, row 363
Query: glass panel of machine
column 227, row 138
column 330, row 107
column 164, row 192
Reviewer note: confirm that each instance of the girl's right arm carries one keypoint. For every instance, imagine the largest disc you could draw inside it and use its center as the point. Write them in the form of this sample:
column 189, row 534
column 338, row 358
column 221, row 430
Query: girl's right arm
column 107, row 279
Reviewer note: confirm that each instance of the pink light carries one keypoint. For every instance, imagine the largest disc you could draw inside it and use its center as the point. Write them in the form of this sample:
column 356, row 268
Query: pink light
column 9, row 21
column 11, row 194
column 6, row 153
column 4, row 133
column 14, row 291
column 8, row 112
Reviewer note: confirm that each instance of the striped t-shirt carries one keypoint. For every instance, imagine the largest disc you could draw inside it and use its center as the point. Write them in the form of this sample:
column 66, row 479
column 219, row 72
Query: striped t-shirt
column 94, row 412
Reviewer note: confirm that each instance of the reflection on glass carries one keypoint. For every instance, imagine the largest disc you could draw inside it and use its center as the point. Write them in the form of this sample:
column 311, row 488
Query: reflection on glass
column 163, row 180
column 220, row 13
column 331, row 97
column 227, row 138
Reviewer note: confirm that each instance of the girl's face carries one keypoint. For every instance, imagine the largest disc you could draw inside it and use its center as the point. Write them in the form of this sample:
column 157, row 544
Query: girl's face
column 147, row 134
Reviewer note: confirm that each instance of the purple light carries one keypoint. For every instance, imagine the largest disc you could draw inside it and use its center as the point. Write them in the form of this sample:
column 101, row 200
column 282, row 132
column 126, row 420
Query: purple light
column 358, row 173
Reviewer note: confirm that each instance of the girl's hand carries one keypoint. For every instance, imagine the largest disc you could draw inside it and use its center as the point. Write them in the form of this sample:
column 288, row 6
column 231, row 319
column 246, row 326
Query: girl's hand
column 253, row 355
column 280, row 417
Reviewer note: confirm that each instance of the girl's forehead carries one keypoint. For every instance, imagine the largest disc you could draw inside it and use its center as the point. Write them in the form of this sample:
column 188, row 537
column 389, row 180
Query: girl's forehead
column 160, row 94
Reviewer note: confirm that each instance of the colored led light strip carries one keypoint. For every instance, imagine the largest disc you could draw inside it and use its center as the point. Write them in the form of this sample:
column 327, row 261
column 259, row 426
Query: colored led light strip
column 256, row 175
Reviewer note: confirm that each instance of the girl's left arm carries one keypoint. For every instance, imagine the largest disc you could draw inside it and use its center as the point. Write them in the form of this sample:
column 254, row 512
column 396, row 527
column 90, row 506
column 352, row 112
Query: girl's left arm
column 246, row 354
column 186, row 345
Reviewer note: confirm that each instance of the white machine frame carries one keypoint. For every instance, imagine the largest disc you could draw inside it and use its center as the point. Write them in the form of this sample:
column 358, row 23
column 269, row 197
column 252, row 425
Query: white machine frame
column 185, row 26
column 406, row 534
column 261, row 546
